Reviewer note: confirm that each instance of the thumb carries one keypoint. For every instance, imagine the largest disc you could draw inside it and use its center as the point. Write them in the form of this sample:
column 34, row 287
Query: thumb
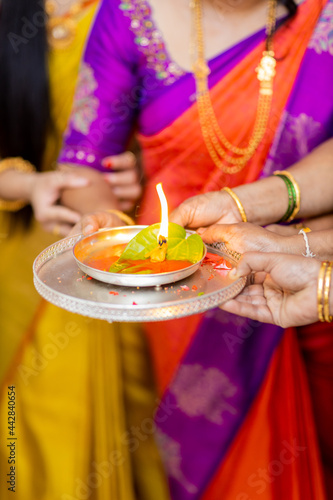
column 183, row 215
column 93, row 222
column 255, row 262
column 216, row 233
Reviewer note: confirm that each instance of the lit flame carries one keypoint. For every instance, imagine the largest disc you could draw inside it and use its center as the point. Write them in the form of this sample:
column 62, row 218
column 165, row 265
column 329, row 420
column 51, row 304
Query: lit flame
column 164, row 228
column 158, row 254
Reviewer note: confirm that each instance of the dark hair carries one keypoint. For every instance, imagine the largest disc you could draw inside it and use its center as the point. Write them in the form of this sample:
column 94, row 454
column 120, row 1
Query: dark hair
column 291, row 6
column 24, row 83
column 292, row 10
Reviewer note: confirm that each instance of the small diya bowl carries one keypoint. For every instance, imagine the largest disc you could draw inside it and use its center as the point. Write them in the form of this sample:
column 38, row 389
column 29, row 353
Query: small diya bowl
column 94, row 253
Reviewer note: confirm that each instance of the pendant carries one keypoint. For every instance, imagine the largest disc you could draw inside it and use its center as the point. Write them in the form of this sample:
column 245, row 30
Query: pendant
column 266, row 72
column 200, row 69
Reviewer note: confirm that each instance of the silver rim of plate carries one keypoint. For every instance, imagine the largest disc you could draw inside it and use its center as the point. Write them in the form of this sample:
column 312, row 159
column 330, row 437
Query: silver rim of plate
column 59, row 280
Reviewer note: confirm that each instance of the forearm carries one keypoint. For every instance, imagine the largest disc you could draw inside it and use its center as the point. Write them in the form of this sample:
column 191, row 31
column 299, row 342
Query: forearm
column 321, row 223
column 266, row 201
column 96, row 196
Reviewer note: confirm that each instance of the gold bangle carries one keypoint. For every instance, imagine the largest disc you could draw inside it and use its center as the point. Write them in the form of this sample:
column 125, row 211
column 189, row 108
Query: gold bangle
column 320, row 291
column 122, row 216
column 327, row 285
column 237, row 201
column 297, row 192
column 20, row 165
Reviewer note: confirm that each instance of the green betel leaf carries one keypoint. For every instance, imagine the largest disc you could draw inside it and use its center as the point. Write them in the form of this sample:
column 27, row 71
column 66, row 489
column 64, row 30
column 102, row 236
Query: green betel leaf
column 190, row 249
column 179, row 248
column 146, row 240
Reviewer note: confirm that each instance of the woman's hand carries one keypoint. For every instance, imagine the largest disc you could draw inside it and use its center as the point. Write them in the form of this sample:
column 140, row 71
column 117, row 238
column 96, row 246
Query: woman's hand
column 245, row 237
column 45, row 191
column 216, row 207
column 124, row 178
column 283, row 291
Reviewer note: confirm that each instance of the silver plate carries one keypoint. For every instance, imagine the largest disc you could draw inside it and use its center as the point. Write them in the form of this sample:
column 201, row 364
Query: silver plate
column 59, row 280
column 90, row 245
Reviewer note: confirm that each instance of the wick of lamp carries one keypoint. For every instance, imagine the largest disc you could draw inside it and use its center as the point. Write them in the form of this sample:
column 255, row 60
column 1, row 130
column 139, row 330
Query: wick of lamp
column 159, row 253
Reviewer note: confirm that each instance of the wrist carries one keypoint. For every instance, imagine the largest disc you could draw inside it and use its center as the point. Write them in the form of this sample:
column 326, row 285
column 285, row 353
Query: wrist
column 15, row 179
column 16, row 185
column 28, row 185
column 264, row 201
column 238, row 209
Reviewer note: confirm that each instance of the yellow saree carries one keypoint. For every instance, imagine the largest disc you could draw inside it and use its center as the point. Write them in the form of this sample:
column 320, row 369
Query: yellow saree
column 83, row 394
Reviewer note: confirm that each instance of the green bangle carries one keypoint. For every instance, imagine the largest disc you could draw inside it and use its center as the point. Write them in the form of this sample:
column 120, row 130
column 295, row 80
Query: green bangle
column 291, row 197
column 294, row 195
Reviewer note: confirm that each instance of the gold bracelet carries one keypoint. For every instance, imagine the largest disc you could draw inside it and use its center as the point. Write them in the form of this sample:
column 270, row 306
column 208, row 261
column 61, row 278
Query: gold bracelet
column 327, row 285
column 122, row 216
column 297, row 193
column 323, row 293
column 20, row 165
column 320, row 291
column 237, row 201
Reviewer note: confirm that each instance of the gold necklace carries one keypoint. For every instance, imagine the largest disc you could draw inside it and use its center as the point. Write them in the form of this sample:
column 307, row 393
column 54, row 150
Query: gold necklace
column 218, row 146
column 62, row 29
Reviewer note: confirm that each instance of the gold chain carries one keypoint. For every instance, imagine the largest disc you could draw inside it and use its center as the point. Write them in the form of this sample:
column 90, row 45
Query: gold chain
column 218, row 146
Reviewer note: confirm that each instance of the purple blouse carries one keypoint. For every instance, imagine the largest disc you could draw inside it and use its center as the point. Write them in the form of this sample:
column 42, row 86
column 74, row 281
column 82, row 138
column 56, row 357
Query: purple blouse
column 127, row 81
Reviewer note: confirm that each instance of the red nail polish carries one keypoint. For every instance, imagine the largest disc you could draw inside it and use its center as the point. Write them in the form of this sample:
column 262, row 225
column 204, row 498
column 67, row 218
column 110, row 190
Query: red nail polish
column 107, row 163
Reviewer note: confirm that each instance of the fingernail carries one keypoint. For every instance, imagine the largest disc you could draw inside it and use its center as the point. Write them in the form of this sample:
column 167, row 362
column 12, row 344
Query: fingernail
column 201, row 230
column 107, row 163
column 88, row 229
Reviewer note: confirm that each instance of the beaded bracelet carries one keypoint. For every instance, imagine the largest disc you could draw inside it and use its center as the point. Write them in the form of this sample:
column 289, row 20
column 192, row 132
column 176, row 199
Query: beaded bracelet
column 238, row 203
column 20, row 165
column 294, row 195
column 323, row 292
